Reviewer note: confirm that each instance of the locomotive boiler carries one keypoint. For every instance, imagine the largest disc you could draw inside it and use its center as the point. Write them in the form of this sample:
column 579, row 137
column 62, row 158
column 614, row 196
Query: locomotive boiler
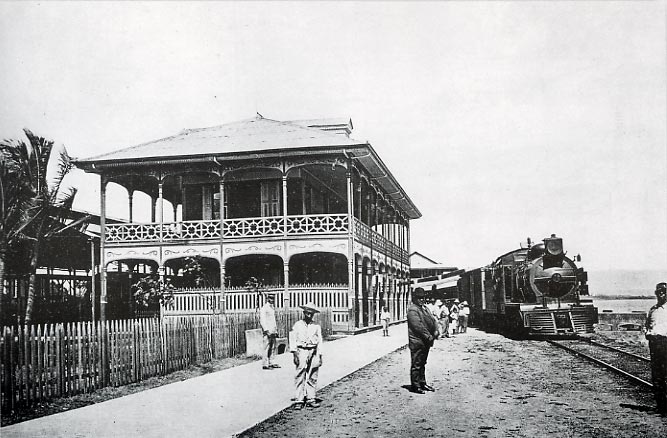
column 535, row 290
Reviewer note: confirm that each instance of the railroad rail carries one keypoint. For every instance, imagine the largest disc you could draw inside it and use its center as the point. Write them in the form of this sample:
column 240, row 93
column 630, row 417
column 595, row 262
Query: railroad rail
column 633, row 366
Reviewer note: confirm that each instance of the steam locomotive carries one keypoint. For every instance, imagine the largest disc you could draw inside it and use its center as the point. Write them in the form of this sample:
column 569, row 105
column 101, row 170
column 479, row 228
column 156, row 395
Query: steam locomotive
column 533, row 291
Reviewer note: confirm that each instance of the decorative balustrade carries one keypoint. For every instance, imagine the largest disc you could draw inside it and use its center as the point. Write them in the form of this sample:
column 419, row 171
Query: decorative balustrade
column 254, row 227
column 367, row 236
column 363, row 232
column 233, row 228
column 317, row 224
column 191, row 230
column 244, row 228
column 132, row 232
column 239, row 299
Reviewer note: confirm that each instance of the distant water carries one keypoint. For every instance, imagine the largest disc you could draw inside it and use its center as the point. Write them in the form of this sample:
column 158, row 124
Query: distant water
column 605, row 285
column 625, row 282
column 623, row 306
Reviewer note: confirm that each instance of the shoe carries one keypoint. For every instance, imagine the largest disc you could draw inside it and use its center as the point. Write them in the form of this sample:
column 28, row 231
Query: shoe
column 417, row 390
column 298, row 406
column 274, row 365
column 313, row 404
column 426, row 387
column 266, row 368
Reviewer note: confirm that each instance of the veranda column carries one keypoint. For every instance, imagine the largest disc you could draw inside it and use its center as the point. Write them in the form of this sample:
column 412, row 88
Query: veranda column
column 161, row 270
column 286, row 298
column 370, row 275
column 221, row 207
column 103, row 280
column 358, row 292
column 160, row 208
column 350, row 245
column 153, row 201
column 130, row 202
column 103, row 264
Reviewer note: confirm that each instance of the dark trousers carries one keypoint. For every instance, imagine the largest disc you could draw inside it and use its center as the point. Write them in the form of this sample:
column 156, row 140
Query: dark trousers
column 418, row 356
column 658, row 347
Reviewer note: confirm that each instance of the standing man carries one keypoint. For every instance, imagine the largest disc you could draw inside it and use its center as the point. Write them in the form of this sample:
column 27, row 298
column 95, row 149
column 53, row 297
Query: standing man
column 267, row 319
column 444, row 320
column 656, row 333
column 464, row 312
column 305, row 342
column 454, row 316
column 422, row 331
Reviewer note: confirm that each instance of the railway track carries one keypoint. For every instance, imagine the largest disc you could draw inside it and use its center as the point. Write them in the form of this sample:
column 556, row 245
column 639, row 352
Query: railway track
column 635, row 367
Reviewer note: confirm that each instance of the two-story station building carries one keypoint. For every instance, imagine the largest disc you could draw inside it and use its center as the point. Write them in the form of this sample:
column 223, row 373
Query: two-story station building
column 311, row 213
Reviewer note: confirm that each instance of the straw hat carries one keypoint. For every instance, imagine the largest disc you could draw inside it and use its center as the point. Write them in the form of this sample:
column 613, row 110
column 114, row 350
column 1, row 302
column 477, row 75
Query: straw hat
column 465, row 303
column 457, row 301
column 310, row 306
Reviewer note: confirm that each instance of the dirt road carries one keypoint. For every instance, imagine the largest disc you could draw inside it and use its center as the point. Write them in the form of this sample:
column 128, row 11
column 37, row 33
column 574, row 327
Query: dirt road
column 487, row 386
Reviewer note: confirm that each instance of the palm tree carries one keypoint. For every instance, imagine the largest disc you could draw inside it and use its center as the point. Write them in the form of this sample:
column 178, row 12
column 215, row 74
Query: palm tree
column 15, row 198
column 47, row 204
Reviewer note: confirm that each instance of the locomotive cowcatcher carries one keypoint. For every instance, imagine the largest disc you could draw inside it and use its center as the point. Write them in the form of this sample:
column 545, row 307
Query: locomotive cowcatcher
column 534, row 291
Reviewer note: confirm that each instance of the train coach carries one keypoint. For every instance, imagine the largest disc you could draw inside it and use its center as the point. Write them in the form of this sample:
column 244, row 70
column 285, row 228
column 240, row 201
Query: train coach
column 534, row 291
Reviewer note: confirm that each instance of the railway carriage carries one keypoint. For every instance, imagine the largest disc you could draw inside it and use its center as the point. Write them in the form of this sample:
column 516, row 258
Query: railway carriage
column 535, row 290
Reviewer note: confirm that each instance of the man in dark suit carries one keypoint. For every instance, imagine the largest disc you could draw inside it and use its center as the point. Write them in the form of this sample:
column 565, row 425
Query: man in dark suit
column 422, row 331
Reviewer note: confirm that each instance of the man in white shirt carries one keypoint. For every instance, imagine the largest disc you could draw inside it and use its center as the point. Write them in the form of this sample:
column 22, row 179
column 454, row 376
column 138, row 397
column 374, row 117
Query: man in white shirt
column 656, row 333
column 267, row 319
column 464, row 312
column 305, row 342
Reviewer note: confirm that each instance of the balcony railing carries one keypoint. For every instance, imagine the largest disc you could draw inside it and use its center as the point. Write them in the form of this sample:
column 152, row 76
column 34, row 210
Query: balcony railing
column 254, row 227
column 208, row 301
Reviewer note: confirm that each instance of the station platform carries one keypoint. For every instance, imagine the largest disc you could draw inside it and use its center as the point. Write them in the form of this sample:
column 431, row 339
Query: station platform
column 220, row 404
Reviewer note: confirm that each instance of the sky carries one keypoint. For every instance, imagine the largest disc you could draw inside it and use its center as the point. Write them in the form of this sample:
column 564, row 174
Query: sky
column 501, row 120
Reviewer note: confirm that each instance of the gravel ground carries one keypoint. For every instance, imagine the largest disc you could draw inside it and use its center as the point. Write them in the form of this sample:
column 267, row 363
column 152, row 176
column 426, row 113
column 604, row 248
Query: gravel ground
column 487, row 386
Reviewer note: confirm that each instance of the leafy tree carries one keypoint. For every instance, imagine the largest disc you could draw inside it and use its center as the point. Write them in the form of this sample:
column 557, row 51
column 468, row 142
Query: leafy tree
column 255, row 286
column 150, row 292
column 194, row 273
column 47, row 204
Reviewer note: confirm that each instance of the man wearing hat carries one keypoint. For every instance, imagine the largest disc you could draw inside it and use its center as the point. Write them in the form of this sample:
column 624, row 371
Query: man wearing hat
column 454, row 316
column 656, row 333
column 267, row 319
column 422, row 331
column 464, row 312
column 305, row 342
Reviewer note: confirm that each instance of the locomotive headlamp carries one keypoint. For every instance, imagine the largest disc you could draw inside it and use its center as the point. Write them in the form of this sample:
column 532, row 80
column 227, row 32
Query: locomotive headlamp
column 553, row 245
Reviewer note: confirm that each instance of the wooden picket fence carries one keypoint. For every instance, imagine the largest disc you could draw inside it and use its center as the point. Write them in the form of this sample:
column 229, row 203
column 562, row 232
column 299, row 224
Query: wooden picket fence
column 41, row 362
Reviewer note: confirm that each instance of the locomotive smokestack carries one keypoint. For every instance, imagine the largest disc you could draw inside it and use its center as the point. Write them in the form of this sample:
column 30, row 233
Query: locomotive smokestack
column 529, row 242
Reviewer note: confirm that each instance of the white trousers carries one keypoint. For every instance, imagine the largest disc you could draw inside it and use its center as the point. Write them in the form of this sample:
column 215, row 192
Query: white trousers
column 305, row 380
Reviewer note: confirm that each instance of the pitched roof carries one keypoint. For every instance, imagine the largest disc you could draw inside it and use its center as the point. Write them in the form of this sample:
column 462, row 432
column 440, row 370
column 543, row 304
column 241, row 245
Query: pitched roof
column 420, row 261
column 252, row 135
